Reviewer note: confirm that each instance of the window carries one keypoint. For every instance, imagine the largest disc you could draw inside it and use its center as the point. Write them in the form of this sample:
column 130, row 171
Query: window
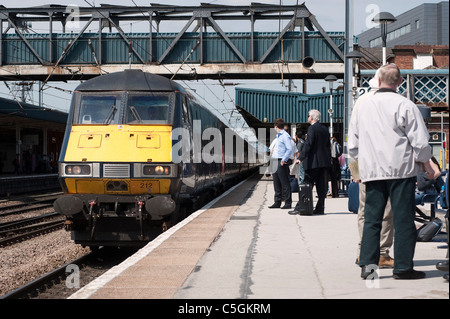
column 417, row 24
column 375, row 42
column 392, row 35
column 99, row 109
column 147, row 109
column 398, row 32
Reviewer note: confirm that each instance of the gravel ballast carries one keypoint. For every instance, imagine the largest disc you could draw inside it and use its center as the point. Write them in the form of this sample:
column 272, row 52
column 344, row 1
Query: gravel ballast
column 25, row 261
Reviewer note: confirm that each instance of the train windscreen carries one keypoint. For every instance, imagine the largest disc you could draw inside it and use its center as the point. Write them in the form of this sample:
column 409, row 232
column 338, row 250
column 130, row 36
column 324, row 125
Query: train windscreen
column 99, row 109
column 147, row 109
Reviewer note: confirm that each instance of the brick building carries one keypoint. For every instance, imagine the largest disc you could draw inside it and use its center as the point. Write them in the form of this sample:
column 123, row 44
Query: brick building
column 420, row 56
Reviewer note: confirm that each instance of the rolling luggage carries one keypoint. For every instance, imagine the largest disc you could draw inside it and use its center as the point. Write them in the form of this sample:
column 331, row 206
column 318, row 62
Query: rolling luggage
column 305, row 199
column 353, row 197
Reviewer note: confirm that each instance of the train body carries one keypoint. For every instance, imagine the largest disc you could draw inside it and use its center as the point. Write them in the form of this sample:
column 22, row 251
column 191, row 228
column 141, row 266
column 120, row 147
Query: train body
column 128, row 165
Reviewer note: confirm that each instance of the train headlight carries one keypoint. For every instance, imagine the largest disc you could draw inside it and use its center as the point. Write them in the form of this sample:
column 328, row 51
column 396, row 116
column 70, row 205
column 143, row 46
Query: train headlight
column 77, row 170
column 157, row 170
column 153, row 170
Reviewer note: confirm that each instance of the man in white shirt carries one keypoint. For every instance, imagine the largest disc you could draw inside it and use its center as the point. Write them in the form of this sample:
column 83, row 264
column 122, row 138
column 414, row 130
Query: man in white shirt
column 388, row 137
column 281, row 155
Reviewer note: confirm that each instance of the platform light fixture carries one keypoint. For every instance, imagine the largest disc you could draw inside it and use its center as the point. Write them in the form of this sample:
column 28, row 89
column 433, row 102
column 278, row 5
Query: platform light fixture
column 384, row 18
column 355, row 57
column 331, row 79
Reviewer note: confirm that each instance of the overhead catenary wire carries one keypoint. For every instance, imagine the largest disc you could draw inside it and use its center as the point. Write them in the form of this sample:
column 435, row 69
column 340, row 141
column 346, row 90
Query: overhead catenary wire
column 42, row 88
column 228, row 120
column 21, row 77
column 185, row 63
column 12, row 93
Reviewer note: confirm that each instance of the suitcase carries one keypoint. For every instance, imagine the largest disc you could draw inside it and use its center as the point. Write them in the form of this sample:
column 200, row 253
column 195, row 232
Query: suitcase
column 429, row 230
column 353, row 197
column 305, row 199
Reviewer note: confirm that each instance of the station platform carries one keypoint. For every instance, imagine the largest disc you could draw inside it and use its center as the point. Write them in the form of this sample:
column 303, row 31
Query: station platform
column 238, row 248
column 18, row 184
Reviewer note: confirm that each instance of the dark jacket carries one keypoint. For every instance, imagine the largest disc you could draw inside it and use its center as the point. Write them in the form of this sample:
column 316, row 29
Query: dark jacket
column 316, row 151
column 430, row 186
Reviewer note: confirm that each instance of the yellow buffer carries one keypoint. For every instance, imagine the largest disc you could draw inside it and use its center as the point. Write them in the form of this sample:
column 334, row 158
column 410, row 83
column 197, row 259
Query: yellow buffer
column 119, row 143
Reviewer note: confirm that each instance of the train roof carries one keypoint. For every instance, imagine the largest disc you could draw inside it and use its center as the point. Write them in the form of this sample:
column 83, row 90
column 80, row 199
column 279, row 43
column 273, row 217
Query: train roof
column 130, row 80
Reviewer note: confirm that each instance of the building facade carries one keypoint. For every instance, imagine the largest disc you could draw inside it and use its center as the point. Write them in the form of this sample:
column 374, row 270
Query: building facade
column 424, row 24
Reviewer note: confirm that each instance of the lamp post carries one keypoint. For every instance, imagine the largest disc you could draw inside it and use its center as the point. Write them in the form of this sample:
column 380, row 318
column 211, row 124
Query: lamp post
column 330, row 79
column 355, row 56
column 384, row 18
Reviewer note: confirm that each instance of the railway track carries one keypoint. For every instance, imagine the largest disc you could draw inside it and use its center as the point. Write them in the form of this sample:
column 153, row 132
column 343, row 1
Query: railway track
column 24, row 206
column 15, row 228
column 67, row 279
column 30, row 196
column 17, row 231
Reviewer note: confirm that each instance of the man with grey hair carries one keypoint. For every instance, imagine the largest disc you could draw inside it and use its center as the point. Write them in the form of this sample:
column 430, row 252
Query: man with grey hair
column 316, row 159
column 387, row 228
column 388, row 137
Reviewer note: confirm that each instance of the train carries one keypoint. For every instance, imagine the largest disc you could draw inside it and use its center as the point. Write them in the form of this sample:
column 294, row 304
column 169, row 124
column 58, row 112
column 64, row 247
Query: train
column 134, row 162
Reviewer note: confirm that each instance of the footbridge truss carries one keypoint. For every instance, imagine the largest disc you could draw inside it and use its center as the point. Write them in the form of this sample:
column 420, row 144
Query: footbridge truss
column 198, row 47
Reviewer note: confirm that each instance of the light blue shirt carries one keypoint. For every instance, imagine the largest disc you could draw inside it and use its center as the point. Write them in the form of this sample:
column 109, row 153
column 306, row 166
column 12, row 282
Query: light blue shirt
column 284, row 146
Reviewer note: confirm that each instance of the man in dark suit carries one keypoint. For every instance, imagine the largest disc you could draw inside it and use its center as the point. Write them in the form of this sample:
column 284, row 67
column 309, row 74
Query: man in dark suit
column 316, row 159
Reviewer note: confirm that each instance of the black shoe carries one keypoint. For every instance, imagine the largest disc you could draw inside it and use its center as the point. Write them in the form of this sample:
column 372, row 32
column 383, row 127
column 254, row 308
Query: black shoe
column 442, row 265
column 365, row 272
column 318, row 212
column 293, row 212
column 411, row 274
column 286, row 206
column 276, row 205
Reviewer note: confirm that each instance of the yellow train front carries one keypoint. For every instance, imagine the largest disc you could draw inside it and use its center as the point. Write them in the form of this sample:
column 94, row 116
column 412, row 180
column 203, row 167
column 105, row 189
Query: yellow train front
column 121, row 184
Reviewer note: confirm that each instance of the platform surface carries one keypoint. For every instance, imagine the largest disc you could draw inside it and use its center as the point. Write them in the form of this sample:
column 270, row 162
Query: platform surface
column 238, row 248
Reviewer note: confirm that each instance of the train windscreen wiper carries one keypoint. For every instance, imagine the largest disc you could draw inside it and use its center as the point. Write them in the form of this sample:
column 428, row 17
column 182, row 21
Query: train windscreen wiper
column 135, row 113
column 111, row 114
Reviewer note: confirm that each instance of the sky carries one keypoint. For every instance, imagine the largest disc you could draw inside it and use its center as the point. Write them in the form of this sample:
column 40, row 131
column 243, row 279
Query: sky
column 329, row 13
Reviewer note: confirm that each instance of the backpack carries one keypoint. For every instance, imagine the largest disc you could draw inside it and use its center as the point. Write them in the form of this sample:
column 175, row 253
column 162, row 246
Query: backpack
column 337, row 149
column 300, row 144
